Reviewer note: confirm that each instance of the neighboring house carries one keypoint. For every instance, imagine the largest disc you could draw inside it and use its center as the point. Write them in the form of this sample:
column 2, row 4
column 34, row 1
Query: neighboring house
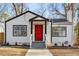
column 1, row 27
column 32, row 29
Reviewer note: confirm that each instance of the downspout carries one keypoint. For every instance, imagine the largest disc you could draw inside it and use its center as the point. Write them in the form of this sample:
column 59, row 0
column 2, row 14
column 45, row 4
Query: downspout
column 51, row 31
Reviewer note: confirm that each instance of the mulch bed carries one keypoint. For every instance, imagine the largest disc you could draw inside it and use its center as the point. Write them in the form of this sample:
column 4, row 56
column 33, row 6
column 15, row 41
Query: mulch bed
column 63, row 47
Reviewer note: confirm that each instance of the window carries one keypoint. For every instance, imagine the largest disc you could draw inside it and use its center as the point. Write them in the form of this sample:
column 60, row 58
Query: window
column 19, row 30
column 59, row 31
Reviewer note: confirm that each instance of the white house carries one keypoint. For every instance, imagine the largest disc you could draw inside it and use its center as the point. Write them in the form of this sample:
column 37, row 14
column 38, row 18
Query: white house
column 32, row 29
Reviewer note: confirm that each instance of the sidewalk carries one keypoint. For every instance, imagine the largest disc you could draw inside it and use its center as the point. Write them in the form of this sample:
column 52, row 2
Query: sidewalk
column 38, row 52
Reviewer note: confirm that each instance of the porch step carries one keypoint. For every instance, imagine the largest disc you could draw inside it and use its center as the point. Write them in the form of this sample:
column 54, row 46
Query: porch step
column 38, row 45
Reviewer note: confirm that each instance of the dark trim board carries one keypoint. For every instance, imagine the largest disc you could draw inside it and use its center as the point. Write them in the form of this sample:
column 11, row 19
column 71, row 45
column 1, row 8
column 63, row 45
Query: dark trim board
column 32, row 19
column 5, row 33
column 45, row 27
column 31, row 27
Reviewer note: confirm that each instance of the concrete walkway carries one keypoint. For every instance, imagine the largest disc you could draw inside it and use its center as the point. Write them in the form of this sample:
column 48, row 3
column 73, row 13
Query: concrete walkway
column 38, row 52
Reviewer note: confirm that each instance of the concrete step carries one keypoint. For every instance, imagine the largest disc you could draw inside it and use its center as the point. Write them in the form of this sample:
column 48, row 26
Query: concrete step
column 38, row 45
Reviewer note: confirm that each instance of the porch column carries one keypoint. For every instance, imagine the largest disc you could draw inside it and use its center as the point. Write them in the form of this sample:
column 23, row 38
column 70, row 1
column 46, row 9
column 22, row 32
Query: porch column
column 45, row 32
column 31, row 33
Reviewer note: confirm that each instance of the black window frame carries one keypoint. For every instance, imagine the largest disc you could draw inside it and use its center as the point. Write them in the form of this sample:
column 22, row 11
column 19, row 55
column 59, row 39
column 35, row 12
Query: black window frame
column 60, row 27
column 20, row 30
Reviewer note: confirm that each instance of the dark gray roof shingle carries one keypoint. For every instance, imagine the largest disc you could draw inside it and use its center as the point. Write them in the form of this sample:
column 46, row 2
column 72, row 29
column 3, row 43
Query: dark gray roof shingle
column 59, row 20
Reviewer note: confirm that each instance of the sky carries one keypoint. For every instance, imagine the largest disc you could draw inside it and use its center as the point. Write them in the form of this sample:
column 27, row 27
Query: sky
column 34, row 7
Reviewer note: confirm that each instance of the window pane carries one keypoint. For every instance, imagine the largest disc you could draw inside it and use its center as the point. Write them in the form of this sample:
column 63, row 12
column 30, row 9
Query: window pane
column 23, row 33
column 22, row 28
column 15, row 32
column 16, row 27
column 58, row 31
column 19, row 30
column 55, row 34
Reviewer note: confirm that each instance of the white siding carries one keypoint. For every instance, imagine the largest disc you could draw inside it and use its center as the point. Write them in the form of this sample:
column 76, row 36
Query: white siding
column 22, row 20
column 60, row 40
column 69, row 15
column 39, row 18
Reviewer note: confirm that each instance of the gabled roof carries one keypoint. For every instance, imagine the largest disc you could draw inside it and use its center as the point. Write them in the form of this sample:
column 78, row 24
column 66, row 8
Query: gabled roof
column 25, row 13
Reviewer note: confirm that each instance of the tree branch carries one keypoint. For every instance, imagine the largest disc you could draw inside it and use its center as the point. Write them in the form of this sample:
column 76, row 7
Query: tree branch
column 15, row 8
column 60, row 13
column 22, row 8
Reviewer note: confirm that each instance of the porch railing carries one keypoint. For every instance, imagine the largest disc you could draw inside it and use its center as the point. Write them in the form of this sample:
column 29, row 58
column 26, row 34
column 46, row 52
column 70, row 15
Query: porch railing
column 31, row 37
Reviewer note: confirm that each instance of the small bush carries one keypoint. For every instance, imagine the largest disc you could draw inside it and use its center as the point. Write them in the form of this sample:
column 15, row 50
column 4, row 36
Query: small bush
column 55, row 44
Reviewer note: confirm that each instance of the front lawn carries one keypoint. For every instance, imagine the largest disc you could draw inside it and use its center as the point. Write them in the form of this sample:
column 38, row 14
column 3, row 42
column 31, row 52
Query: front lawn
column 65, row 52
column 10, row 51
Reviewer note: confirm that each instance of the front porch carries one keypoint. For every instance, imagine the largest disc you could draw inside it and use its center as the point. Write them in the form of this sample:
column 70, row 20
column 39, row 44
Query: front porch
column 38, row 32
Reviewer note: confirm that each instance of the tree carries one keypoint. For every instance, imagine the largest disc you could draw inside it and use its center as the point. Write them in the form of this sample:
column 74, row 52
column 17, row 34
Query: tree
column 65, row 8
column 54, row 9
column 4, row 16
column 41, row 10
column 19, row 8
column 77, row 33
column 77, row 25
column 72, row 7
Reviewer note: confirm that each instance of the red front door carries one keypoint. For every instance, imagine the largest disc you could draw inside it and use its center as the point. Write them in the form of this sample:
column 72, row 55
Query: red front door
column 38, row 32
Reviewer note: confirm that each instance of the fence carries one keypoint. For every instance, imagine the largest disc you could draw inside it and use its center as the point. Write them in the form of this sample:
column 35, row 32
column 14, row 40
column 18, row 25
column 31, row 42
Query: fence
column 1, row 37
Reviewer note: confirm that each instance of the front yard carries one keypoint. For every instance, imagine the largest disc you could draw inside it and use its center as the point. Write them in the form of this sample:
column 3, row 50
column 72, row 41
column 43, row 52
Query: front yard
column 12, row 51
column 21, row 51
column 65, row 52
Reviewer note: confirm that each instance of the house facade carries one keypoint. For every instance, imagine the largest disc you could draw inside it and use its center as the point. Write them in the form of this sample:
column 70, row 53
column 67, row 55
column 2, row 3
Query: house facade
column 32, row 29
